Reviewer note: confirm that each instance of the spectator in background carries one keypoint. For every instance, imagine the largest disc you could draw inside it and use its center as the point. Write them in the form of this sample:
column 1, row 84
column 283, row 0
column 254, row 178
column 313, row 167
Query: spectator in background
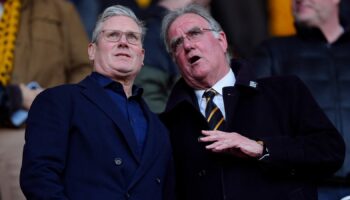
column 132, row 4
column 159, row 73
column 345, row 12
column 88, row 11
column 97, row 139
column 40, row 41
column 235, row 137
column 244, row 22
column 319, row 54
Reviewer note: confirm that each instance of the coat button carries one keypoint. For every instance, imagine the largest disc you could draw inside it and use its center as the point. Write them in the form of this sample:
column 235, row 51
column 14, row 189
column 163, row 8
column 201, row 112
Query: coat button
column 158, row 180
column 118, row 161
column 292, row 172
column 202, row 173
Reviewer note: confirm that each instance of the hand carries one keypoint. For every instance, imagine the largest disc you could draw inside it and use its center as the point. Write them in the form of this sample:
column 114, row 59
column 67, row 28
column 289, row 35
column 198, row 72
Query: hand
column 28, row 95
column 232, row 143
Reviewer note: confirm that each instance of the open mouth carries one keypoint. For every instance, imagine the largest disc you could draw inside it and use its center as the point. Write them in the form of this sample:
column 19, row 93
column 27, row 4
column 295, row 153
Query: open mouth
column 194, row 59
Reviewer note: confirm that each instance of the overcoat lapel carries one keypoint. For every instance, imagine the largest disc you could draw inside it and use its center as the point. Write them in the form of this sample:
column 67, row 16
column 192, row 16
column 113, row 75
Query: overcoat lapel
column 94, row 92
column 152, row 148
column 231, row 96
column 245, row 85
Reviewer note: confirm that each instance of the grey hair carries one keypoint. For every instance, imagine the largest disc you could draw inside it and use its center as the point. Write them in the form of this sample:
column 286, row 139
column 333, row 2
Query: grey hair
column 190, row 9
column 116, row 10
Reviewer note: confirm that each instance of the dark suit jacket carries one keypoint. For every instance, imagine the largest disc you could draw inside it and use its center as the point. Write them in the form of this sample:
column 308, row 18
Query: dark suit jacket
column 78, row 146
column 323, row 67
column 302, row 143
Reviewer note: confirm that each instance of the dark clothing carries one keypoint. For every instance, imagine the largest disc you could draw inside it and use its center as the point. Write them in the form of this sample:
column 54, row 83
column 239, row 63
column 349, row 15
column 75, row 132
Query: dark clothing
column 130, row 107
column 345, row 12
column 325, row 69
column 88, row 11
column 156, row 55
column 10, row 101
column 244, row 22
column 128, row 3
column 302, row 142
column 79, row 146
column 159, row 73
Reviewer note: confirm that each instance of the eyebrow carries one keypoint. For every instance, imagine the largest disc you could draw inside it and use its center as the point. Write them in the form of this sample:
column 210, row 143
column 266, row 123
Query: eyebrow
column 189, row 30
column 127, row 31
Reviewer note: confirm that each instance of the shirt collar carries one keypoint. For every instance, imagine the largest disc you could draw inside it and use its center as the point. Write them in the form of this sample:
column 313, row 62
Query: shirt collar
column 106, row 82
column 227, row 81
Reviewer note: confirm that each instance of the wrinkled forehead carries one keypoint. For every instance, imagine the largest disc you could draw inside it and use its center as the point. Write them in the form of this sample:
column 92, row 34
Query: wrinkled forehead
column 184, row 23
column 122, row 23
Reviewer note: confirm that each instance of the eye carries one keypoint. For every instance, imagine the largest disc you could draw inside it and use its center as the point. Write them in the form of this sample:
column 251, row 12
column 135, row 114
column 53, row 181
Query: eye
column 132, row 37
column 176, row 44
column 194, row 33
column 113, row 35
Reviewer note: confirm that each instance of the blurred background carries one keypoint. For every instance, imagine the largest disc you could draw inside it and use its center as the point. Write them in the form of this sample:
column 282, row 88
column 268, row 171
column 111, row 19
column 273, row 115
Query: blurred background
column 247, row 23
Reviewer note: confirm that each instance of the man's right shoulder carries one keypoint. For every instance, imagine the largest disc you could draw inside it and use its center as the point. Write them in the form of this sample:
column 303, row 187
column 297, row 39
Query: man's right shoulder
column 282, row 83
column 61, row 90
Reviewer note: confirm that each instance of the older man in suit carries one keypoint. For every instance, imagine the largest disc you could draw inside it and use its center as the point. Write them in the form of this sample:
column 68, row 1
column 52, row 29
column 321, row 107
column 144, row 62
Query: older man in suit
column 235, row 137
column 97, row 139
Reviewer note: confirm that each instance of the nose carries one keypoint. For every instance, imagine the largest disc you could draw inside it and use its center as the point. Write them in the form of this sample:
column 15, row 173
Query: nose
column 187, row 43
column 123, row 39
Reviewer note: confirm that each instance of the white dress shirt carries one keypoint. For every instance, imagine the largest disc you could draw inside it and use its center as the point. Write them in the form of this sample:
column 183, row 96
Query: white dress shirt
column 228, row 80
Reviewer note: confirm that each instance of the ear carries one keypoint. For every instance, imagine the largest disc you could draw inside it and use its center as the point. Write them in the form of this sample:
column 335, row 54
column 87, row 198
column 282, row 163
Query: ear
column 91, row 51
column 143, row 55
column 336, row 2
column 223, row 41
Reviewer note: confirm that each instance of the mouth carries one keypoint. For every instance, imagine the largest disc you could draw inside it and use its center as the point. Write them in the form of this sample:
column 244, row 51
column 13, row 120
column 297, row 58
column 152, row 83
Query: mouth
column 123, row 55
column 194, row 59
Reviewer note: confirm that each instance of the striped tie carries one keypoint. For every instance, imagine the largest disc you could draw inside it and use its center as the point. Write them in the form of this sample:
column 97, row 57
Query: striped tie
column 213, row 114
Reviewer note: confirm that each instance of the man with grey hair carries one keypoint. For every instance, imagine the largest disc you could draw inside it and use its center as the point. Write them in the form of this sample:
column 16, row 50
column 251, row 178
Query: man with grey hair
column 235, row 137
column 97, row 139
column 159, row 73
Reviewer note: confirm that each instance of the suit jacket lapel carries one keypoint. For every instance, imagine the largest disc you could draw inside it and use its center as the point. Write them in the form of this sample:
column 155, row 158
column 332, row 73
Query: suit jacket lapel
column 231, row 96
column 152, row 146
column 245, row 85
column 96, row 94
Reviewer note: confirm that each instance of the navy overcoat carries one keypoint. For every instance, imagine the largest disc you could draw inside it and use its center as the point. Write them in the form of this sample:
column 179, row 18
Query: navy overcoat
column 78, row 146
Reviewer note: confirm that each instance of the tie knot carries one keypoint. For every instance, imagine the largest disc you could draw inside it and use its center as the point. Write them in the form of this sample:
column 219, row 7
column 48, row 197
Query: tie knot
column 209, row 94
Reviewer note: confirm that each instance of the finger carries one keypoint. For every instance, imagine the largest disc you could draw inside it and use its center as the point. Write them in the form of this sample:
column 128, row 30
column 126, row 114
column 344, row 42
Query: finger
column 207, row 132
column 213, row 145
column 210, row 138
column 213, row 137
column 211, row 132
column 221, row 147
column 217, row 151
